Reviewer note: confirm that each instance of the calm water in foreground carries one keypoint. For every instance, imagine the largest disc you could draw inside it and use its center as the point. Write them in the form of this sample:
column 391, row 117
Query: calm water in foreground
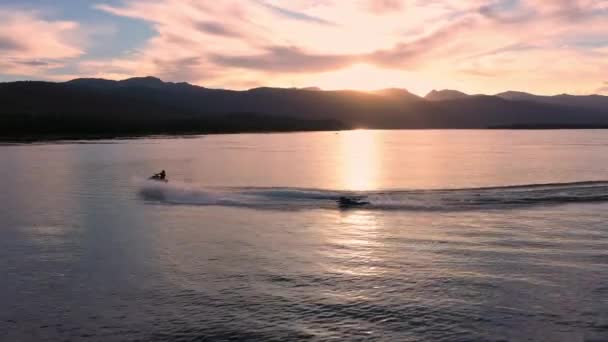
column 246, row 241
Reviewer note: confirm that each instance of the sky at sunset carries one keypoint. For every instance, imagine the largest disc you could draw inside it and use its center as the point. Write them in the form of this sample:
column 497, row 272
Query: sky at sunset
column 477, row 46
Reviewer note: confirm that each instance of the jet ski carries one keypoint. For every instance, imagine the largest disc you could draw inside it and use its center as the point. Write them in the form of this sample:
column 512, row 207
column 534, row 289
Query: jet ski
column 157, row 178
column 349, row 202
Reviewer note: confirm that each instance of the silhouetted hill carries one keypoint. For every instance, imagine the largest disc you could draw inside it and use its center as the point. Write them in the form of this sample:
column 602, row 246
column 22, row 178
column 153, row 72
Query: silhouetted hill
column 517, row 96
column 399, row 94
column 582, row 101
column 149, row 105
column 312, row 88
column 445, row 94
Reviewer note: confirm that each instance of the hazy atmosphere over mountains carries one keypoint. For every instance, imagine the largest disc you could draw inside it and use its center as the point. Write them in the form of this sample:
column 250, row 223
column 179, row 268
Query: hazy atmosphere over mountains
column 149, row 105
column 481, row 46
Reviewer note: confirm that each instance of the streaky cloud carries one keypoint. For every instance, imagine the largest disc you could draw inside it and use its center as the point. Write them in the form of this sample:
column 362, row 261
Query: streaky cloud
column 215, row 28
column 293, row 14
column 404, row 54
column 32, row 45
column 182, row 69
column 286, row 59
column 477, row 72
column 10, row 44
column 34, row 63
column 506, row 11
column 384, row 6
column 516, row 47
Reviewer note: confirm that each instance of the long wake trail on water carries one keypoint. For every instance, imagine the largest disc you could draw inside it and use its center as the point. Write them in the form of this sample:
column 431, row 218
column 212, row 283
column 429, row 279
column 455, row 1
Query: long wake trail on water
column 286, row 198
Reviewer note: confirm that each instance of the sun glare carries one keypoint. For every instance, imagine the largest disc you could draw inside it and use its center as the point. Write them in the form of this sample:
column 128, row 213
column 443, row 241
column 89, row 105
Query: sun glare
column 359, row 151
column 365, row 77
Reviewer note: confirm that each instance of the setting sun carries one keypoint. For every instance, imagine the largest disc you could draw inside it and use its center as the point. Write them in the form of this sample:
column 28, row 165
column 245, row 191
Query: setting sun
column 368, row 77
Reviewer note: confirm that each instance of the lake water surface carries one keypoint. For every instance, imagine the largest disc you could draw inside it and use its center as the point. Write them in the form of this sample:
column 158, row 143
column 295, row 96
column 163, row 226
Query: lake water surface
column 468, row 236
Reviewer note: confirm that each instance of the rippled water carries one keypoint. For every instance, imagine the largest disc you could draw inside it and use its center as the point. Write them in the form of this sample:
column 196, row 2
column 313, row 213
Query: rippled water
column 469, row 235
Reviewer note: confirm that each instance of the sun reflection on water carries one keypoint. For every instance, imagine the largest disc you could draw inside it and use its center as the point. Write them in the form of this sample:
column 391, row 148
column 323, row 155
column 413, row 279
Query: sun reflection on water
column 357, row 246
column 359, row 160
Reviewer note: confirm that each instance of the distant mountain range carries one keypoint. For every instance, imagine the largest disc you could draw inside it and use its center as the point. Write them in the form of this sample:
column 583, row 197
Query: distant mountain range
column 147, row 105
column 597, row 102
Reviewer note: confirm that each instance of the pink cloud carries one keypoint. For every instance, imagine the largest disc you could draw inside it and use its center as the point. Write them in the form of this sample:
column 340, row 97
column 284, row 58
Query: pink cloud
column 287, row 59
column 484, row 42
column 30, row 45
column 384, row 6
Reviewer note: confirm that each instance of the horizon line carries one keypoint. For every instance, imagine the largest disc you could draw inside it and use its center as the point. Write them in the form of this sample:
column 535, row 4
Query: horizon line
column 309, row 88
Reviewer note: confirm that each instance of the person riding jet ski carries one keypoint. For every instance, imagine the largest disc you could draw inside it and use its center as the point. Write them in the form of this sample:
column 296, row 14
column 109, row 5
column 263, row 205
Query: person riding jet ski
column 344, row 201
column 161, row 176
